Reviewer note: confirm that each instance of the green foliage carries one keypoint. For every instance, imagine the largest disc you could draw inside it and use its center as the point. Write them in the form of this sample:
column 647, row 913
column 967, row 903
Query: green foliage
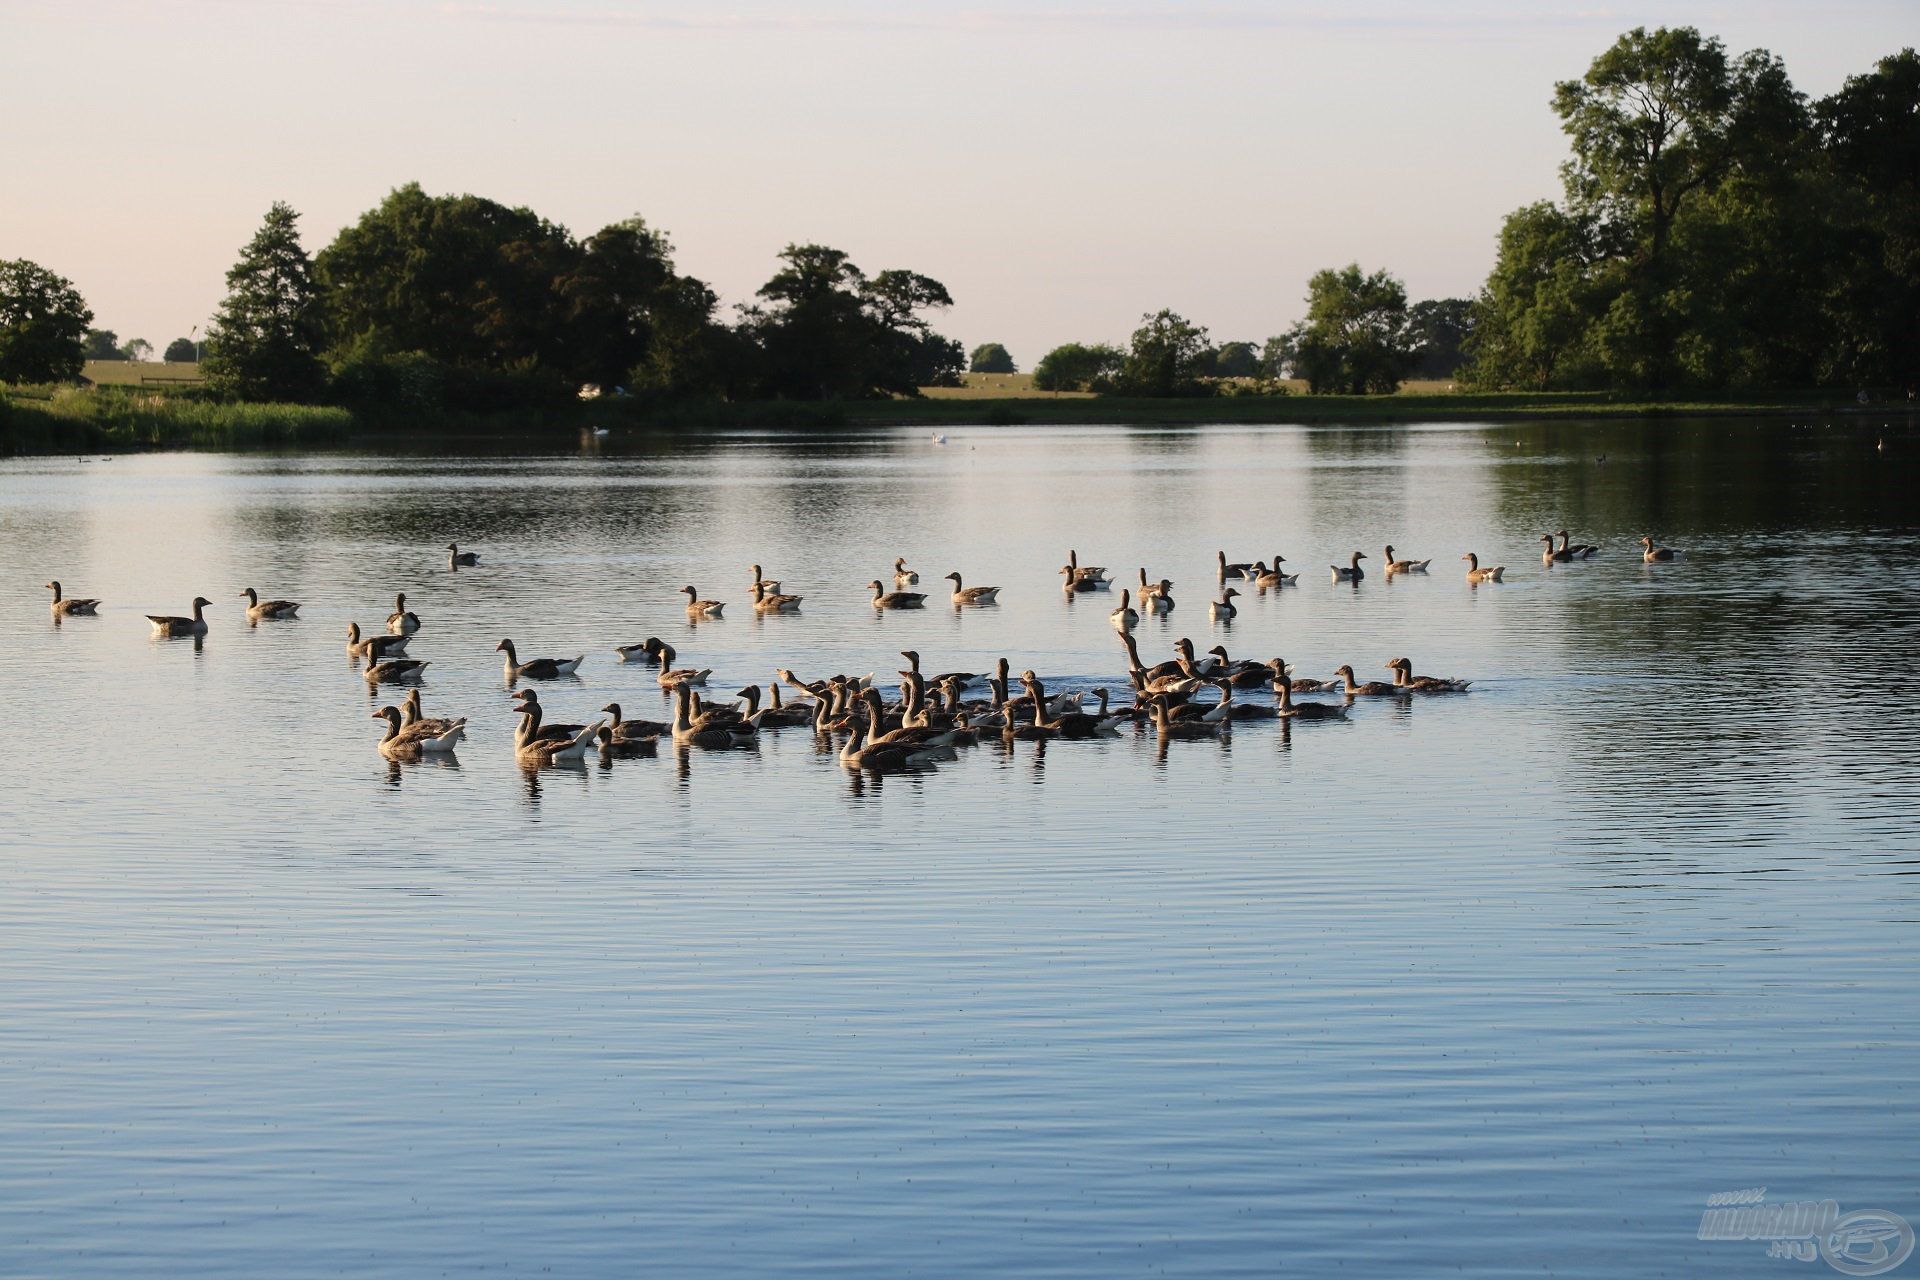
column 1437, row 331
column 137, row 350
column 181, row 351
column 1167, row 356
column 103, row 344
column 1355, row 339
column 264, row 341
column 1078, row 367
column 122, row 417
column 991, row 357
column 1236, row 360
column 43, row 322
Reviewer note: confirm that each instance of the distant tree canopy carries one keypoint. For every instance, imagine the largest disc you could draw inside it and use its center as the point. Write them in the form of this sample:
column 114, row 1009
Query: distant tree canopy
column 991, row 357
column 137, row 349
column 1167, row 356
column 264, row 343
column 1355, row 338
column 181, row 351
column 1437, row 331
column 1077, row 367
column 1236, row 360
column 1716, row 231
column 102, row 344
column 43, row 324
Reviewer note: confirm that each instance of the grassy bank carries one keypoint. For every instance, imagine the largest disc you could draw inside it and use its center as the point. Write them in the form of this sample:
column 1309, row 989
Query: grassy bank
column 69, row 420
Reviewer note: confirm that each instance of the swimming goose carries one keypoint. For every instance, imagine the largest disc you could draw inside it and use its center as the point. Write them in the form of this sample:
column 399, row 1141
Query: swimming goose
column 698, row 608
column 1371, row 689
column 1075, row 584
column 647, row 650
column 411, row 741
column 527, row 702
column 623, row 728
column 1157, row 680
column 1404, row 566
column 259, row 610
column 1353, row 572
column 767, row 600
column 410, row 716
column 966, row 679
column 770, row 585
column 861, row 752
column 1091, row 572
column 374, row 647
column 903, row 576
column 394, row 671
column 1653, row 553
column 1232, row 570
column 1125, row 617
column 1241, row 674
column 776, row 714
column 1229, row 709
column 538, row 668
column 906, row 735
column 1222, row 610
column 1403, row 678
column 1204, row 665
column 1276, row 577
column 1578, row 550
column 538, row 751
column 68, row 607
column 713, row 727
column 614, row 747
column 402, row 621
column 194, row 626
column 1161, row 601
column 884, row 599
column 1163, row 720
column 1284, row 679
column 685, row 677
column 1477, row 575
column 1288, row 709
column 1147, row 589
column 1066, row 724
column 456, row 557
column 1550, row 554
column 963, row 594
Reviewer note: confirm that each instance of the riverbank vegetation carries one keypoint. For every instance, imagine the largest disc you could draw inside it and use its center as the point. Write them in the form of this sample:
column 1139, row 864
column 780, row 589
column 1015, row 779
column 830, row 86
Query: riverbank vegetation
column 1722, row 242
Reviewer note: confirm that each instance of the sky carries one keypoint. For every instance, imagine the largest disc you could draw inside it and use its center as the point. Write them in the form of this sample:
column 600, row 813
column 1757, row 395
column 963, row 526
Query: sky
column 1063, row 166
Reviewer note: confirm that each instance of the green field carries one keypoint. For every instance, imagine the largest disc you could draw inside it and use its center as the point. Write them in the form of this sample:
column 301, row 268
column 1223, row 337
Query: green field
column 140, row 373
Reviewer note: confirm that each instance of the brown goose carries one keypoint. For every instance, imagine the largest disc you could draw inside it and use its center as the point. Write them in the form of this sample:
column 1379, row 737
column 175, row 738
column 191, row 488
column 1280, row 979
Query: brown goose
column 697, row 726
column 1091, row 572
column 1160, row 708
column 527, row 702
column 1577, row 550
column 537, row 668
column 1403, row 678
column 903, row 576
column 410, row 716
column 1232, row 570
column 1550, row 554
column 1223, row 609
column 884, row 599
column 456, row 558
column 1352, row 572
column 1283, row 679
column 1404, row 566
column 1371, row 689
column 767, row 600
column 770, row 585
column 1288, row 709
column 374, row 647
column 1477, row 575
column 194, row 626
column 394, row 671
column 259, row 610
column 70, row 607
column 1125, row 618
column 624, row 728
column 1653, row 554
column 411, row 741
column 698, row 608
column 776, row 715
column 963, row 594
column 683, row 677
column 1276, row 576
column 402, row 621
column 535, row 751
column 614, row 747
column 647, row 650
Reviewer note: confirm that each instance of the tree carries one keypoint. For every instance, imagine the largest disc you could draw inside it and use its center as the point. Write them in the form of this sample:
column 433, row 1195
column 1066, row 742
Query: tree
column 632, row 319
column 103, row 344
column 1533, row 317
column 1167, row 356
column 1077, row 367
column 991, row 357
column 1236, row 360
column 43, row 323
column 1354, row 340
column 181, row 351
column 137, row 350
column 1277, row 356
column 264, row 342
column 1437, row 331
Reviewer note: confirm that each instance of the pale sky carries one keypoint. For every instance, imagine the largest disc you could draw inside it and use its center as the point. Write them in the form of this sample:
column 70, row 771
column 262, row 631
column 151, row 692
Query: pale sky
column 1062, row 165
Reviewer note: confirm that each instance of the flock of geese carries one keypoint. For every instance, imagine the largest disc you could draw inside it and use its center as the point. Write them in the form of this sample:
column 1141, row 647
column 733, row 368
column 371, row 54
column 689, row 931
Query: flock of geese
column 934, row 716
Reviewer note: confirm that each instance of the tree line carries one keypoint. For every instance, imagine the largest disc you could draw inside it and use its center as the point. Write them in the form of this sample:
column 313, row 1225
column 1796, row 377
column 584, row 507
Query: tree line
column 1718, row 230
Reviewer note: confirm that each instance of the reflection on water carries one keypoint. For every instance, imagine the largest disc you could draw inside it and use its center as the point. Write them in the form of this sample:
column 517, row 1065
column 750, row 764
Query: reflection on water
column 1506, row 983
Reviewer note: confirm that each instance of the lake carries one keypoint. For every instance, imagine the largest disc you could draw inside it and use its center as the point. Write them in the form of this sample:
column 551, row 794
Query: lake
column 1503, row 984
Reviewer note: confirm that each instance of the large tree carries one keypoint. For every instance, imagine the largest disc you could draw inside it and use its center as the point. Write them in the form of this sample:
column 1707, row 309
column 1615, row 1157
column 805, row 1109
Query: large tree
column 43, row 322
column 992, row 357
column 632, row 320
column 265, row 340
column 1236, row 360
column 102, row 344
column 137, row 350
column 1354, row 340
column 181, row 351
column 1168, row 355
column 1437, row 330
column 1076, row 366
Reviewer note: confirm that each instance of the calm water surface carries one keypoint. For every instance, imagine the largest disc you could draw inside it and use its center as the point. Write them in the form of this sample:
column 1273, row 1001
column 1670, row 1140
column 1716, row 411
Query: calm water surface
column 1504, row 984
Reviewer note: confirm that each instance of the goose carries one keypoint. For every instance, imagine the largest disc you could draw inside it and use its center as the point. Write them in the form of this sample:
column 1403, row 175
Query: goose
column 903, row 576
column 966, row 679
column 698, row 608
column 1404, row 566
column 1064, row 724
column 1276, row 577
column 1228, row 709
column 1651, row 554
column 713, row 727
column 259, row 610
column 538, row 668
column 1550, row 554
column 70, row 606
column 885, row 757
column 412, row 719
column 539, row 751
column 1075, row 584
column 767, row 600
column 623, row 728
column 1232, row 570
column 394, row 670
column 1353, row 572
column 1169, row 727
column 771, row 585
column 684, row 677
column 1147, row 589
column 647, row 650
column 1477, row 575
column 1284, row 679
column 411, row 741
column 374, row 647
column 1092, row 572
column 1371, row 689
column 527, row 702
column 914, row 736
column 963, row 594
column 776, row 714
column 402, row 621
column 1125, row 617
column 1203, row 665
column 1162, row 599
column 194, row 626
column 1577, row 550
column 614, row 747
column 1223, row 610
column 1157, row 680
column 1403, row 678
column 884, row 599
column 1240, row 674
column 1288, row 709
column 457, row 558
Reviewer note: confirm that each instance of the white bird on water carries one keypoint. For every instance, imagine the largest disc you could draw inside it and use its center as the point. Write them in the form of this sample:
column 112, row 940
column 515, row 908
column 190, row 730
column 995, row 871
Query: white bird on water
column 938, row 438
